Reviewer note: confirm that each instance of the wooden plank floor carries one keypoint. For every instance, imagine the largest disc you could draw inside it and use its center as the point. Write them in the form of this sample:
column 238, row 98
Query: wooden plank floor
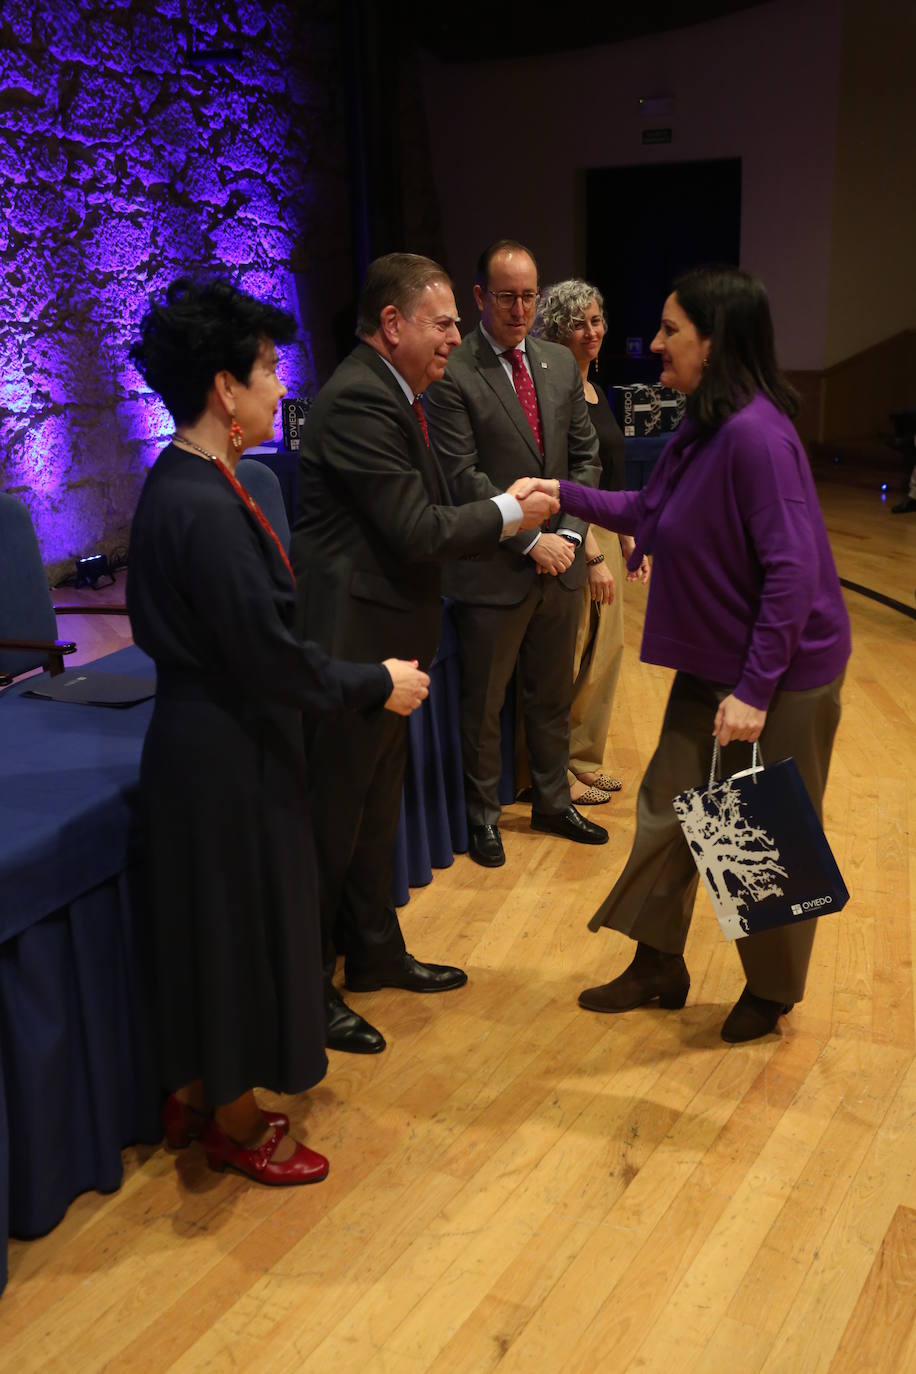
column 519, row 1185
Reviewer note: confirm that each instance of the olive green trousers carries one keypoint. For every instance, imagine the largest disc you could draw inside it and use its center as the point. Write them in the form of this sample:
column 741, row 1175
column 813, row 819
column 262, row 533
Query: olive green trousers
column 652, row 900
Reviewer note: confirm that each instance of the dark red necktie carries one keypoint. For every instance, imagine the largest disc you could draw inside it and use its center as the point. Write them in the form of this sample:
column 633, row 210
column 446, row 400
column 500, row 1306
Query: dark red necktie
column 524, row 390
column 418, row 409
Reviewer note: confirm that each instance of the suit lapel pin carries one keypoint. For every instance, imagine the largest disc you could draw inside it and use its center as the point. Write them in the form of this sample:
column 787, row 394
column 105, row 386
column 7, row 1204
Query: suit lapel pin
column 543, row 365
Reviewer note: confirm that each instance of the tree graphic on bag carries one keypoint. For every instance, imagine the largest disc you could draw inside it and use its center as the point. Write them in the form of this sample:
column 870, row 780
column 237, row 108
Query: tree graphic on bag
column 739, row 860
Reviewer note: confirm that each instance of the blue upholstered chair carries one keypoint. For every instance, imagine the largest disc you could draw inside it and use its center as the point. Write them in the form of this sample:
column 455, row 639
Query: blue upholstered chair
column 28, row 624
column 264, row 486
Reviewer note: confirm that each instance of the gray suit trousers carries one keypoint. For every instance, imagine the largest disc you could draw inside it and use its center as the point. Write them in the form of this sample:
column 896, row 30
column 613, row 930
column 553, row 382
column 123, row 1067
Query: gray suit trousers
column 540, row 634
column 653, row 898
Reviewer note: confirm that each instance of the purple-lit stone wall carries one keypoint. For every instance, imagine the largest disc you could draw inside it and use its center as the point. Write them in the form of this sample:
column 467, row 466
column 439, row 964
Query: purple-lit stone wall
column 124, row 162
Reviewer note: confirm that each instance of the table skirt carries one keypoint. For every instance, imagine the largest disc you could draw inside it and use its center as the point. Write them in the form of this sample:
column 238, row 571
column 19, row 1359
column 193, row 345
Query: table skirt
column 433, row 824
column 78, row 1080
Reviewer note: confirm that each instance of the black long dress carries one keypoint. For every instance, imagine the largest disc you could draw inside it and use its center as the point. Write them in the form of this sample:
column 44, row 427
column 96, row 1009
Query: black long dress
column 231, row 882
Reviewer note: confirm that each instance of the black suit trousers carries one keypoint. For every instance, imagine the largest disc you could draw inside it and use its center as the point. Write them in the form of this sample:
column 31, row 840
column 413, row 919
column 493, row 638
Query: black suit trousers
column 356, row 771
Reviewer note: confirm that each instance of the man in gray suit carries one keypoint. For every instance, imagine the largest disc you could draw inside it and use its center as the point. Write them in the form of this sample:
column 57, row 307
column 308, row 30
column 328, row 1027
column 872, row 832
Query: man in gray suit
column 375, row 524
column 509, row 406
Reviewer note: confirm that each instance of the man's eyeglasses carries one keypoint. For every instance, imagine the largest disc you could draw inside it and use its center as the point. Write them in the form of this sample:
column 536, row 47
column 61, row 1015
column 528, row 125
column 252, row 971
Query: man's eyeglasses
column 506, row 299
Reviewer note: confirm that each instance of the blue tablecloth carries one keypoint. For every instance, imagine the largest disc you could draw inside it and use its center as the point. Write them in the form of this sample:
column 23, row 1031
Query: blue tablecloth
column 69, row 775
column 77, row 1073
column 639, row 458
column 433, row 825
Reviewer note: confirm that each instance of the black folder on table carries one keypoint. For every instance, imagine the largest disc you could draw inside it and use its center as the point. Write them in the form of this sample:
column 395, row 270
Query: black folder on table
column 88, row 688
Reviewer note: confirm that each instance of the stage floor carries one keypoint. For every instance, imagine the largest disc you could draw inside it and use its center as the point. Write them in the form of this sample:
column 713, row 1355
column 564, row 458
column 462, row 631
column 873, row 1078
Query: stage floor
column 520, row 1185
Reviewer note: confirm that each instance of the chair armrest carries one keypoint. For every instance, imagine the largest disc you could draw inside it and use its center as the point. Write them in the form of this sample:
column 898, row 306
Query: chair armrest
column 90, row 610
column 44, row 646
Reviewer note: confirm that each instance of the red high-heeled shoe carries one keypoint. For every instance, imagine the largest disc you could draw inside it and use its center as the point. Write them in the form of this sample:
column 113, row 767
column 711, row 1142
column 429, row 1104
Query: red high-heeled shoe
column 183, row 1123
column 305, row 1166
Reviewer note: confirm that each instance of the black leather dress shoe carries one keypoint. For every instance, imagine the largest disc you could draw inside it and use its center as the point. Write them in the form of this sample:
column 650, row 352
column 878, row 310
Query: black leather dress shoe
column 410, row 974
column 350, row 1032
column 485, row 846
column 571, row 825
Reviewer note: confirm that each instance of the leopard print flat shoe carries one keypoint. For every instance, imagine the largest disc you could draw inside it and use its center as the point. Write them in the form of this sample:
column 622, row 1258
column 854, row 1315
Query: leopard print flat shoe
column 606, row 783
column 592, row 796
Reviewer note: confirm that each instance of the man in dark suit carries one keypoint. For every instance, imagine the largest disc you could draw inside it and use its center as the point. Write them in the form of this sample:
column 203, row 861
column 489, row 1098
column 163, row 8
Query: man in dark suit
column 375, row 524
column 511, row 406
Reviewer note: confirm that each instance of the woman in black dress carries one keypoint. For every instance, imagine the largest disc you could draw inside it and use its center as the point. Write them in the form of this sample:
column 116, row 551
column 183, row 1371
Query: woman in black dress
column 572, row 313
column 231, row 874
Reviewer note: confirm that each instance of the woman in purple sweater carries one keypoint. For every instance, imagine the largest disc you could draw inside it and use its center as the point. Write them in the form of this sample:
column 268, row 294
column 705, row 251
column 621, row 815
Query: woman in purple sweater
column 745, row 604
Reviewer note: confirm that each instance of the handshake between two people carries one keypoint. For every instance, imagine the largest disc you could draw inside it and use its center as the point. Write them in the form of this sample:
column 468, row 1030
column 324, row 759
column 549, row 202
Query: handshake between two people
column 537, row 498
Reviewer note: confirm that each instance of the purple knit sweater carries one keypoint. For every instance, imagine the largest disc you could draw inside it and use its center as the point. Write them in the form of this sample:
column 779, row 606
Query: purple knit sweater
column 744, row 589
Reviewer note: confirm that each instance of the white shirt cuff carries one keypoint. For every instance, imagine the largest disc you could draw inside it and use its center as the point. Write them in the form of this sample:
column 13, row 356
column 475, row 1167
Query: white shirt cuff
column 511, row 512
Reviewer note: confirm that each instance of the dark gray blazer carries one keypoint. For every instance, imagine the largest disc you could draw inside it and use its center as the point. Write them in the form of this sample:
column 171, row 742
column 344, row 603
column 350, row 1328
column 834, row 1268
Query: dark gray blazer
column 484, row 442
column 376, row 520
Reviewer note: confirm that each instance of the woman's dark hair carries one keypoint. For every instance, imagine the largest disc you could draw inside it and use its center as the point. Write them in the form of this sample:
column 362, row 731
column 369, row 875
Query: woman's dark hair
column 730, row 308
column 200, row 328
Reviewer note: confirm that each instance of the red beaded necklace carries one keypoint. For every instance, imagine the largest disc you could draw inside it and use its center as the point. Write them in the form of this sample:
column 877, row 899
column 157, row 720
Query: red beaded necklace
column 243, row 495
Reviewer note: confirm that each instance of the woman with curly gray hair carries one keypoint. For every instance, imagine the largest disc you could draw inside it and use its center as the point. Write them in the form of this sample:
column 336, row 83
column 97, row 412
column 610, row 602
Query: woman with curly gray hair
column 572, row 313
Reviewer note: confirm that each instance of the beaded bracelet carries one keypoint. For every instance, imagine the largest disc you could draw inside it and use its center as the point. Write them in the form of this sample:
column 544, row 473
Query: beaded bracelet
column 598, row 558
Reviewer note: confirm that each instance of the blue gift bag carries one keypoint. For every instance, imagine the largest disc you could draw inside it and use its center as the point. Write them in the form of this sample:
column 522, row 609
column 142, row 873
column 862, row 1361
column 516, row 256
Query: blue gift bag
column 760, row 848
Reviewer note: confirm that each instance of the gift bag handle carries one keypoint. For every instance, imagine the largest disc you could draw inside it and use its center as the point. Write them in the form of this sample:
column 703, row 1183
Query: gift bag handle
column 756, row 762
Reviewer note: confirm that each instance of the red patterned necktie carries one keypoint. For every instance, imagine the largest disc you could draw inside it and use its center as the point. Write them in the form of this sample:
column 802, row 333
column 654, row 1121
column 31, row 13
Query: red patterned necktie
column 524, row 389
column 418, row 410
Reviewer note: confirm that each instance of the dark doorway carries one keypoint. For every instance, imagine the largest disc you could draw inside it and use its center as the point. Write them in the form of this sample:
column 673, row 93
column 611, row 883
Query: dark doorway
column 644, row 226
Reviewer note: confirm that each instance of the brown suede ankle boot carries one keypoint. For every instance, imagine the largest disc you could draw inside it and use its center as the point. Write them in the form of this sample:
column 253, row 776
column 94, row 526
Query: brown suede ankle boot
column 752, row 1016
column 652, row 974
